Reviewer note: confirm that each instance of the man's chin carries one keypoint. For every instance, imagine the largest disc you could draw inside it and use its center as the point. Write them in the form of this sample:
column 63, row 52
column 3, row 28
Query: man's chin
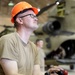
column 36, row 27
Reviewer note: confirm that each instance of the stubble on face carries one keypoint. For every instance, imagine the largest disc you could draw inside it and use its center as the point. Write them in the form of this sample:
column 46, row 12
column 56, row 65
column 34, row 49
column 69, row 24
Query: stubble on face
column 30, row 22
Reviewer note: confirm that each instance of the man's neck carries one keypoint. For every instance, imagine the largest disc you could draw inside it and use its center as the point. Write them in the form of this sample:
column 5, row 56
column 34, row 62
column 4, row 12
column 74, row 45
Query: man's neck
column 24, row 36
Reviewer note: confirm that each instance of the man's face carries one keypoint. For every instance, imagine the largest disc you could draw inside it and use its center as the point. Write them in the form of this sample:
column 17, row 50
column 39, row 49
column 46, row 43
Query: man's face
column 29, row 20
column 40, row 43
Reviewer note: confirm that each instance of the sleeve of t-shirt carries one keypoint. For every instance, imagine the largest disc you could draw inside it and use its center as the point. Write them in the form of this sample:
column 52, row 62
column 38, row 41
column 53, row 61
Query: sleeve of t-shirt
column 7, row 49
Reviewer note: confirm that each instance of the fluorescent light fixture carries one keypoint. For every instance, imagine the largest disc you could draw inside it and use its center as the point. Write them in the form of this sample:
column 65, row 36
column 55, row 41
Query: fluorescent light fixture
column 10, row 3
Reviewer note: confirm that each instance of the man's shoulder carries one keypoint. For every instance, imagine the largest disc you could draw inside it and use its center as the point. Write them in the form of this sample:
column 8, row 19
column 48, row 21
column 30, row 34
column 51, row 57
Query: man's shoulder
column 33, row 45
column 8, row 36
column 31, row 42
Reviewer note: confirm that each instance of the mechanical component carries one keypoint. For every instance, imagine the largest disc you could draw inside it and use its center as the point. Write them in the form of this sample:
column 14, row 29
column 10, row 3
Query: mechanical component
column 51, row 26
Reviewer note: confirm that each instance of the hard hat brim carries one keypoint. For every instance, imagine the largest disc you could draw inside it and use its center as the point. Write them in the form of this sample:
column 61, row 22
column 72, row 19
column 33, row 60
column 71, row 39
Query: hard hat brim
column 33, row 8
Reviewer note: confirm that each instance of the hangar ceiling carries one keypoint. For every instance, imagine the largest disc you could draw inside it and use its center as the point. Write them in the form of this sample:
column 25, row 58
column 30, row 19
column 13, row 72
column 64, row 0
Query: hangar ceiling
column 5, row 9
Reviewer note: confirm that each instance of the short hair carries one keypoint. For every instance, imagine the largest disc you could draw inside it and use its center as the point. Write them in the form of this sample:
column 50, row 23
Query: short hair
column 37, row 40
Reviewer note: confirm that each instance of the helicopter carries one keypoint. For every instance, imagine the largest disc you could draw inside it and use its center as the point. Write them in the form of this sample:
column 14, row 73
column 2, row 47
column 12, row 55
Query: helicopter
column 59, row 31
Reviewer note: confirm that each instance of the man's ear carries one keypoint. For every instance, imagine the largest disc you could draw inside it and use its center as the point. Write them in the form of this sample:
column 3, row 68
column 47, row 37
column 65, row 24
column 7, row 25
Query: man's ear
column 19, row 20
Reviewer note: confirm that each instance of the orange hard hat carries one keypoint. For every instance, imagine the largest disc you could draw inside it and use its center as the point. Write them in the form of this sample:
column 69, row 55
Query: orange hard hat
column 20, row 7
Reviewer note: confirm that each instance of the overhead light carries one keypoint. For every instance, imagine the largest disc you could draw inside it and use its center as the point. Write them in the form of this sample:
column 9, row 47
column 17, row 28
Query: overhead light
column 38, row 9
column 57, row 3
column 10, row 3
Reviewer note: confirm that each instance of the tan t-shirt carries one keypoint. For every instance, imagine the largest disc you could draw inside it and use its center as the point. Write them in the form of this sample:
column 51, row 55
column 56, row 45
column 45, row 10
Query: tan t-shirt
column 13, row 48
column 41, row 58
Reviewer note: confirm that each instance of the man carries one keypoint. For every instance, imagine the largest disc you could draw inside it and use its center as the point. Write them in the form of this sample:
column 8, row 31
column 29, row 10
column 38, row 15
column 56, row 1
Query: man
column 39, row 44
column 18, row 55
